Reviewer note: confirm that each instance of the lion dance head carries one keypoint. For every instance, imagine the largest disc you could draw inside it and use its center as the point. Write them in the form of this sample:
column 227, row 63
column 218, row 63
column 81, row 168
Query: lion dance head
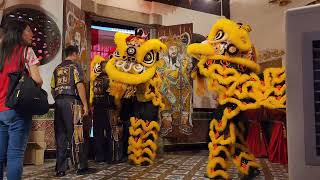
column 133, row 66
column 229, row 45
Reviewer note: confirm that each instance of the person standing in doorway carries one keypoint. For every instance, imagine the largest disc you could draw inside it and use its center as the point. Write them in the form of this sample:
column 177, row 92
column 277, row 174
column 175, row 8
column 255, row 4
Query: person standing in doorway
column 104, row 114
column 69, row 93
column 15, row 126
column 101, row 126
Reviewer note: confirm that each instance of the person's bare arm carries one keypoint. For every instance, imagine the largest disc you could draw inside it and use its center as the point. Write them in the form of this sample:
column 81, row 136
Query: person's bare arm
column 35, row 74
column 82, row 94
column 52, row 84
column 33, row 62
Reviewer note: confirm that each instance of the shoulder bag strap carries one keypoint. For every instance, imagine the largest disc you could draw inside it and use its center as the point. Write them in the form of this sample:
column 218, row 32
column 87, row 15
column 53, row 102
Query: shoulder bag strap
column 25, row 52
column 20, row 59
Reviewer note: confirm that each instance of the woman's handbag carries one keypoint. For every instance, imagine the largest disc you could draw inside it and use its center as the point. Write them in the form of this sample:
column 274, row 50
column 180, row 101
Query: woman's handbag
column 24, row 95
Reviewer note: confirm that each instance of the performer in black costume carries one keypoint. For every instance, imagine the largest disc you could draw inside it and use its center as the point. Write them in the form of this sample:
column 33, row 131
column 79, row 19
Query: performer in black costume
column 70, row 100
column 135, row 85
column 126, row 112
column 106, row 127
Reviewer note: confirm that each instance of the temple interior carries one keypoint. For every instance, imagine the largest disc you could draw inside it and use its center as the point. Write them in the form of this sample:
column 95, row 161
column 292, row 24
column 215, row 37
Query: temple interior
column 194, row 89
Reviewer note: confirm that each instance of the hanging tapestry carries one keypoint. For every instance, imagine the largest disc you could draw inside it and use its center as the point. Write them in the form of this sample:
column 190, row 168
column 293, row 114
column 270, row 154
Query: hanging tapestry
column 177, row 85
column 75, row 33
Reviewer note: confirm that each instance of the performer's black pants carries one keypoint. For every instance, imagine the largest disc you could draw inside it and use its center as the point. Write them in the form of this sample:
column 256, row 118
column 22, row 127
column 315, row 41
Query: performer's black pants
column 102, row 134
column 126, row 112
column 63, row 127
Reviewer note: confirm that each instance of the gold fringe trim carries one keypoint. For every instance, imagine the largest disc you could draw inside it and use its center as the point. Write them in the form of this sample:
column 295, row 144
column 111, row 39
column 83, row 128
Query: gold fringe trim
column 150, row 125
column 136, row 122
column 233, row 87
column 141, row 149
column 151, row 144
column 156, row 97
column 214, row 150
column 216, row 138
column 135, row 132
column 211, row 173
column 135, row 142
column 244, row 168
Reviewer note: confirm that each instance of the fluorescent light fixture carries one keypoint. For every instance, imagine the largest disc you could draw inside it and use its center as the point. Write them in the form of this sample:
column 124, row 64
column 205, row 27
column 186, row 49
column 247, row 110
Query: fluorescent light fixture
column 113, row 29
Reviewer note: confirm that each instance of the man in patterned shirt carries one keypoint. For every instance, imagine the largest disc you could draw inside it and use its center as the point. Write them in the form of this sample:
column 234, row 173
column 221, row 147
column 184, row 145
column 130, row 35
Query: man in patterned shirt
column 69, row 93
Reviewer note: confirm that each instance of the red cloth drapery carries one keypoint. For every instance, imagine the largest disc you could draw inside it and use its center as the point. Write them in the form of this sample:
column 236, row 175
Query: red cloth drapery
column 278, row 152
column 256, row 139
column 94, row 37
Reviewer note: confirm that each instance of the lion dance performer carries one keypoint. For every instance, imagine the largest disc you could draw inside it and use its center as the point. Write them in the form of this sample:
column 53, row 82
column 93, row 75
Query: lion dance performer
column 107, row 128
column 132, row 73
column 229, row 61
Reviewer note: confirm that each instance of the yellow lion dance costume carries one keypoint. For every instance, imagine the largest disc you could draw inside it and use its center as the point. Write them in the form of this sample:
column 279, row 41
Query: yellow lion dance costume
column 228, row 59
column 132, row 73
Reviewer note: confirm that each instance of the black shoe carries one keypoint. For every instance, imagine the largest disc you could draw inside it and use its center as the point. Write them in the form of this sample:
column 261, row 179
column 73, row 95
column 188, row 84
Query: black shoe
column 82, row 171
column 99, row 160
column 60, row 173
column 253, row 172
column 145, row 163
column 216, row 178
column 123, row 159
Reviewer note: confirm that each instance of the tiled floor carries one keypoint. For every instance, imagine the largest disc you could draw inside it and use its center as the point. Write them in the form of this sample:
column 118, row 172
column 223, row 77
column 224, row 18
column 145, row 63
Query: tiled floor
column 170, row 166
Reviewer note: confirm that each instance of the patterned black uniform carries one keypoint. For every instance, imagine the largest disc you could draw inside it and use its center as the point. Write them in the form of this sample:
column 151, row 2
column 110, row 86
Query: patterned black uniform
column 64, row 82
column 105, row 124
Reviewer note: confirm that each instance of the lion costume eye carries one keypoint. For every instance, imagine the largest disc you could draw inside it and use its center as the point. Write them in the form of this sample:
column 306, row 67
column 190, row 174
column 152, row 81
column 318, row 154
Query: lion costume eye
column 149, row 58
column 232, row 49
column 219, row 35
column 131, row 51
column 116, row 54
column 97, row 68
